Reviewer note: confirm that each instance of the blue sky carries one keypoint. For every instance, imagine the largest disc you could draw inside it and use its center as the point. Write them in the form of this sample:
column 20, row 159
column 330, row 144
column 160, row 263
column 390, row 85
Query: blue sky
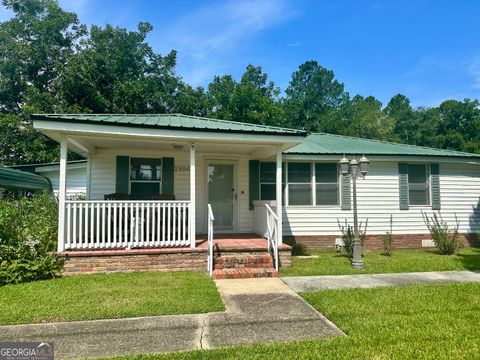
column 427, row 50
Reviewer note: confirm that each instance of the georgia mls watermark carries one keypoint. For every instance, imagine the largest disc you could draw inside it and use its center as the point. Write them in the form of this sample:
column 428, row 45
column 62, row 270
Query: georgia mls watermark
column 26, row 350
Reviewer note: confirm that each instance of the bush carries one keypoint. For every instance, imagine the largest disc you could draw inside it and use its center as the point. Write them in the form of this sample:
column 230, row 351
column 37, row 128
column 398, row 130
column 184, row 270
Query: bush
column 298, row 249
column 446, row 239
column 28, row 236
column 388, row 244
column 387, row 240
column 348, row 235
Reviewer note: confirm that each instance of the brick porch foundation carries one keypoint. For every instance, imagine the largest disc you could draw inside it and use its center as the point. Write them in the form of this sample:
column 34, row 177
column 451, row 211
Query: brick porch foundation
column 374, row 242
column 167, row 259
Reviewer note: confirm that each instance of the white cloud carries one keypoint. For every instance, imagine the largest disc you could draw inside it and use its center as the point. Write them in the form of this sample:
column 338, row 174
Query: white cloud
column 208, row 36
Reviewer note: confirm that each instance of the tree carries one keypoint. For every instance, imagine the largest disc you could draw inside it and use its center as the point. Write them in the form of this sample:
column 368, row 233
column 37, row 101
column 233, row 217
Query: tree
column 252, row 100
column 363, row 117
column 403, row 116
column 312, row 98
column 35, row 46
column 117, row 71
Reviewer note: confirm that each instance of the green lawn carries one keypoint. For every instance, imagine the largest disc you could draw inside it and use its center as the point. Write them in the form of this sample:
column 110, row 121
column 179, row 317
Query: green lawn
column 330, row 262
column 416, row 322
column 108, row 296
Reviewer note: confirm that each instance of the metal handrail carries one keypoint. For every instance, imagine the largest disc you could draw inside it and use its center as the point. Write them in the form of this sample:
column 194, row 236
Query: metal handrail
column 272, row 234
column 211, row 218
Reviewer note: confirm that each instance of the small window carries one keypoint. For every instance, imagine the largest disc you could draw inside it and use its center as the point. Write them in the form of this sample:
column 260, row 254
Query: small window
column 418, row 184
column 326, row 178
column 267, row 181
column 299, row 184
column 268, row 177
column 145, row 177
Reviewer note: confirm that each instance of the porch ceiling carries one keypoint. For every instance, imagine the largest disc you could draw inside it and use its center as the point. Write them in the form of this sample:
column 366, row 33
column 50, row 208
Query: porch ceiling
column 177, row 145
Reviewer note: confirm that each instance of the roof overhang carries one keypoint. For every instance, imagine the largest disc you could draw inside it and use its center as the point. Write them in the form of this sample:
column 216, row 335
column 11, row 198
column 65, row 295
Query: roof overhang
column 84, row 138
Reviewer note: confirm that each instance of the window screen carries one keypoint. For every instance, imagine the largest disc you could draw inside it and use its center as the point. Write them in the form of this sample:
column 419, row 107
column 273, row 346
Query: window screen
column 326, row 178
column 418, row 185
column 299, row 184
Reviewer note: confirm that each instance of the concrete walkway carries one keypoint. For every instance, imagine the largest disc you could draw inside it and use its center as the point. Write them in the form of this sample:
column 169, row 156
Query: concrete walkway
column 315, row 283
column 257, row 310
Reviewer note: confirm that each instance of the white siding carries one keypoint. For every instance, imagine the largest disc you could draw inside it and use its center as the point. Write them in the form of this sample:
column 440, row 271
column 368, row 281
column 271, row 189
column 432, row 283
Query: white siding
column 103, row 167
column 76, row 180
column 378, row 197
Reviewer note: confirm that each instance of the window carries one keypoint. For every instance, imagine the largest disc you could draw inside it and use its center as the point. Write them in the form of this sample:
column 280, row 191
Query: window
column 418, row 184
column 145, row 177
column 326, row 178
column 299, row 177
column 267, row 181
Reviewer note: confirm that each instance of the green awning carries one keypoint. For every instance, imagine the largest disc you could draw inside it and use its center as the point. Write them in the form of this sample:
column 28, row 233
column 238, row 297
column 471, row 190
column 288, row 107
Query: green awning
column 21, row 180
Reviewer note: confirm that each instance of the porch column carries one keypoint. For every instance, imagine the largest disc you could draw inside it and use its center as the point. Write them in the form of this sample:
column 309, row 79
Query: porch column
column 279, row 194
column 62, row 194
column 192, row 196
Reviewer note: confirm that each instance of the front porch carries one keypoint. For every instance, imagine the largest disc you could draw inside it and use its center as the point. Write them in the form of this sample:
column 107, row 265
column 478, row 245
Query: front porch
column 155, row 183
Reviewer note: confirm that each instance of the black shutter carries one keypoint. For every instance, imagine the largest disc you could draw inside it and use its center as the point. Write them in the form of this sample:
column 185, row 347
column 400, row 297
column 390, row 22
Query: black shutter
column 122, row 174
column 346, row 193
column 435, row 184
column 403, row 185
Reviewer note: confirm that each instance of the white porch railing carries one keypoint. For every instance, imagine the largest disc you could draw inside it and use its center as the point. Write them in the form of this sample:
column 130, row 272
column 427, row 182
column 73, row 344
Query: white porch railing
column 112, row 224
column 211, row 218
column 272, row 234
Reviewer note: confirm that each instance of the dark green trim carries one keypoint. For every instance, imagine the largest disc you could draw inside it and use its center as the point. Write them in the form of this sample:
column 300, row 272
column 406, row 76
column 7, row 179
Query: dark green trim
column 168, row 168
column 122, row 174
column 253, row 181
column 346, row 193
column 435, row 185
column 403, row 185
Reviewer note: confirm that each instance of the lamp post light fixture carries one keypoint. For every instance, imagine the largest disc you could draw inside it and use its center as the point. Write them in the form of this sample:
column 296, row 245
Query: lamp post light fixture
column 353, row 169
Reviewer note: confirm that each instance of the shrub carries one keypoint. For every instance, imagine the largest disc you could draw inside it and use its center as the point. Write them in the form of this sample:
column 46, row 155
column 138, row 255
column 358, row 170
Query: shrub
column 28, row 235
column 446, row 239
column 387, row 240
column 348, row 235
column 298, row 249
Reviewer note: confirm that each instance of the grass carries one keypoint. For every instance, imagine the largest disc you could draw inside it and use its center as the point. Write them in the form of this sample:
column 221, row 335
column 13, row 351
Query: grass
column 330, row 262
column 108, row 296
column 417, row 322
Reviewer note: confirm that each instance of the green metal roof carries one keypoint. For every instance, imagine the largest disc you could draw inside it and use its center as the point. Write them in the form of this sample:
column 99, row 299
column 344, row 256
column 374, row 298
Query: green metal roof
column 17, row 179
column 169, row 121
column 328, row 144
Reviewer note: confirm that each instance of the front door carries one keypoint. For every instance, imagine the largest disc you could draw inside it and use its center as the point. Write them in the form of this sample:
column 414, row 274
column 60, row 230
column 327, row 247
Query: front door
column 221, row 187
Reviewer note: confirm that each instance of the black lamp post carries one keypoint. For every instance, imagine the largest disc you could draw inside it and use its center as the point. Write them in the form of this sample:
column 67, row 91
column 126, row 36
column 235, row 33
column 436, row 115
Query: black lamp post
column 352, row 168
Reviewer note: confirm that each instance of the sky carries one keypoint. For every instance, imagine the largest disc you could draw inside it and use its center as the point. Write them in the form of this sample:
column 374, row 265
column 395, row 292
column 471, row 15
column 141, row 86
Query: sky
column 427, row 50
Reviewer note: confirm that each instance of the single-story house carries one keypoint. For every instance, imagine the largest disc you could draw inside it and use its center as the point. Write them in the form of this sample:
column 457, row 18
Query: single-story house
column 164, row 185
column 21, row 183
column 76, row 176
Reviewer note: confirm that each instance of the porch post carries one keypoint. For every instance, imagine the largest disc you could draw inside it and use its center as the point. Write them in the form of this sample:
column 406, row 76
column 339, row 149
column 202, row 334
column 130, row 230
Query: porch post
column 62, row 194
column 279, row 194
column 192, row 196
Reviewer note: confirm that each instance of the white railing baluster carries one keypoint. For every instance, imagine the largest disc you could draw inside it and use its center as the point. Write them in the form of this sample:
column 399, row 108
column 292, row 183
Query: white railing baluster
column 210, row 254
column 272, row 234
column 111, row 224
column 74, row 227
column 68, row 224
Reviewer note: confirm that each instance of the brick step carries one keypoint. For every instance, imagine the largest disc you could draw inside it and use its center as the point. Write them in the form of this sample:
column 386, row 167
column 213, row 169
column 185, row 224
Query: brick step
column 243, row 261
column 244, row 273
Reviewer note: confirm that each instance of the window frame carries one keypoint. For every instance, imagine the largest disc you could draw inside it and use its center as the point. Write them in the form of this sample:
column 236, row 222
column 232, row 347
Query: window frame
column 315, row 183
column 159, row 182
column 428, row 184
column 288, row 183
column 260, row 182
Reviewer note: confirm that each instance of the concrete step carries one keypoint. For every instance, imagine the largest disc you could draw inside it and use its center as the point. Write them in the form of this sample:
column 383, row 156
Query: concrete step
column 240, row 261
column 244, row 273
